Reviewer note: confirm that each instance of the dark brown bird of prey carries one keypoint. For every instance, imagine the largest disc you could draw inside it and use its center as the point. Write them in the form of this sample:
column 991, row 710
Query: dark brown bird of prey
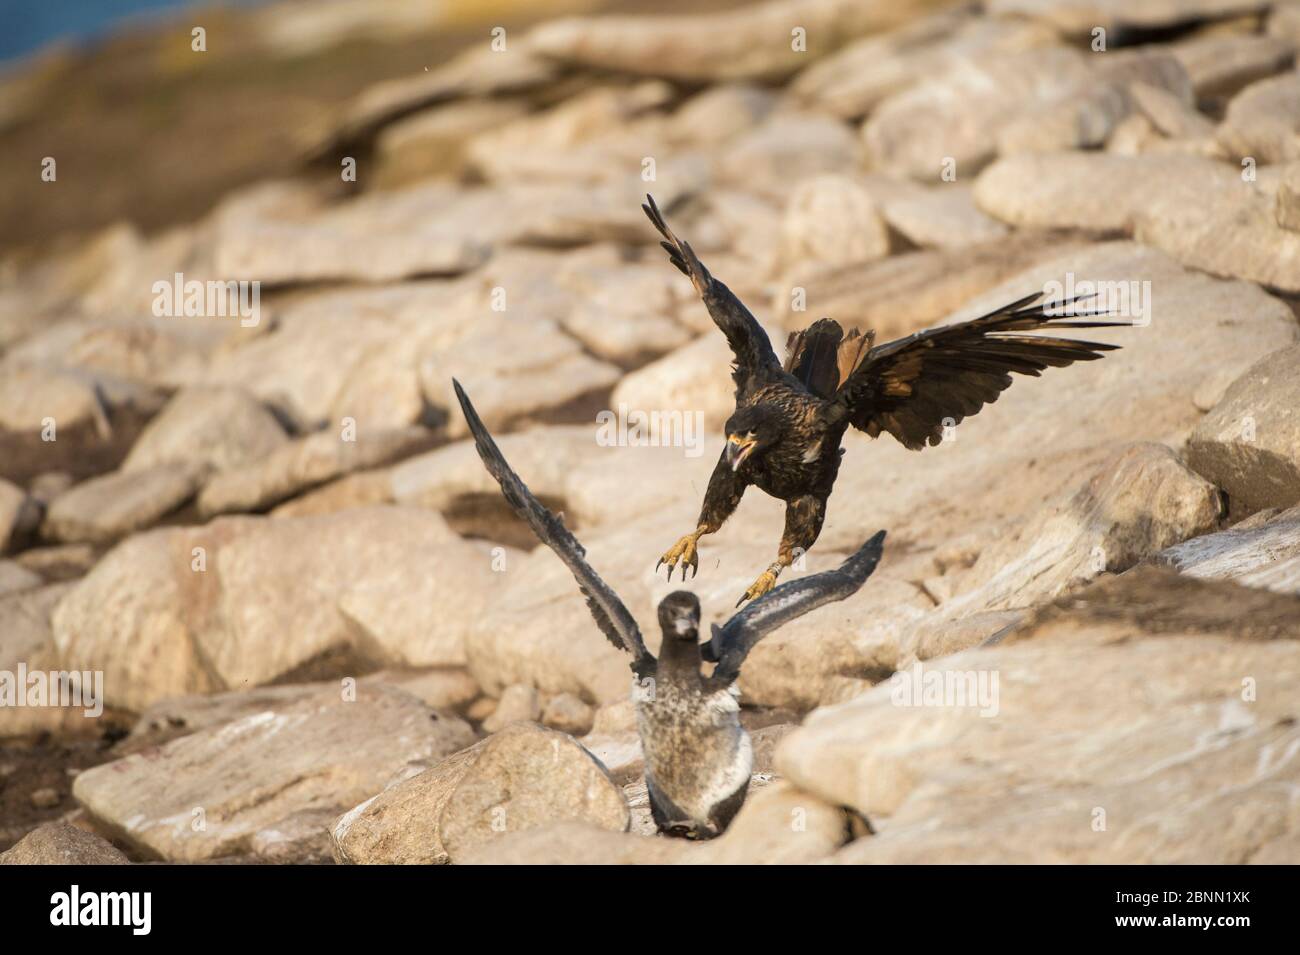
column 784, row 436
column 698, row 758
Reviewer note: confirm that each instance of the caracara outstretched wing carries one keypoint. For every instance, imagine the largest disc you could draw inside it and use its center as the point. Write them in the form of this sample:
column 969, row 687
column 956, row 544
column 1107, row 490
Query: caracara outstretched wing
column 732, row 641
column 611, row 616
column 756, row 362
column 910, row 386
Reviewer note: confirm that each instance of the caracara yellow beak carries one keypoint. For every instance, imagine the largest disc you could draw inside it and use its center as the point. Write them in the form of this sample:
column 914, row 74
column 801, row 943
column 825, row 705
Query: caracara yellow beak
column 738, row 449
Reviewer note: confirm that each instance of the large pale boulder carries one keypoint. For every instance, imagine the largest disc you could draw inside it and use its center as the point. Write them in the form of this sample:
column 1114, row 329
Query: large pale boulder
column 198, row 610
column 1209, row 215
column 833, row 220
column 757, row 42
column 519, row 779
column 267, row 783
column 218, row 427
column 1139, row 501
column 106, row 508
column 1263, row 120
column 1249, row 443
column 306, row 462
column 1261, row 551
column 852, row 82
column 1133, row 688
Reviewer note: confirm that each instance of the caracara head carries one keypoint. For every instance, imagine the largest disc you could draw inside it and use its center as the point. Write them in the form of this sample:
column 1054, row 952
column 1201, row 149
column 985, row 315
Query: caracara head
column 749, row 431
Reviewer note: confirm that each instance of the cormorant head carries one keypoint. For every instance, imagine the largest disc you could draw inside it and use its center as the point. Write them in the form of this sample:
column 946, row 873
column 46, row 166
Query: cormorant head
column 750, row 430
column 679, row 615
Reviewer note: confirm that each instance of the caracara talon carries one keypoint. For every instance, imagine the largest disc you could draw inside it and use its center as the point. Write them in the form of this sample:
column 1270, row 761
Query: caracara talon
column 766, row 581
column 684, row 550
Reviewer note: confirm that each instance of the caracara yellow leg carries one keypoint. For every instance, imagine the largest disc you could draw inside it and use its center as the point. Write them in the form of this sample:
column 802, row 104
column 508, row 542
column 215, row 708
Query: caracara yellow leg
column 765, row 582
column 686, row 551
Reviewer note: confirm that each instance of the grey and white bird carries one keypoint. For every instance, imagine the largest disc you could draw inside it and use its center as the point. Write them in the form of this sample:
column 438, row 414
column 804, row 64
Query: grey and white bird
column 698, row 756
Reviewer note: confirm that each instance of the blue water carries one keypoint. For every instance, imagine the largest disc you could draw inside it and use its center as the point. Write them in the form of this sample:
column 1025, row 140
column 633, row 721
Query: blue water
column 28, row 25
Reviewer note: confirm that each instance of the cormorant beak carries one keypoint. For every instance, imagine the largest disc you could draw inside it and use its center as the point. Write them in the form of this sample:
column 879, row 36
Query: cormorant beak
column 738, row 449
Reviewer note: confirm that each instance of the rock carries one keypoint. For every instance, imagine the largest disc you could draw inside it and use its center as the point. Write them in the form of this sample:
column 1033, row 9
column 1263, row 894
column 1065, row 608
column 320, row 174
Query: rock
column 45, row 798
column 1140, row 501
column 26, row 640
column 221, row 428
column 1057, row 778
column 479, row 71
column 1197, row 210
column 718, row 114
column 1079, row 18
column 226, row 786
column 568, row 714
column 432, row 142
column 106, row 508
column 1249, row 444
column 945, row 218
column 1287, row 210
column 280, row 236
column 852, row 82
column 150, row 351
column 1261, row 551
column 755, row 43
column 785, row 148
column 451, row 479
column 59, row 562
column 519, row 779
column 14, row 577
column 306, row 462
column 59, row 843
column 1263, row 120
column 907, row 292
column 542, row 371
column 626, row 314
column 518, row 703
column 576, row 843
column 588, row 137
column 778, row 825
column 67, row 420
column 19, row 516
column 480, row 709
column 361, row 489
column 445, row 688
column 179, row 716
column 956, row 117
column 1221, row 64
column 1170, row 114
column 832, row 220
column 441, row 690
column 223, row 607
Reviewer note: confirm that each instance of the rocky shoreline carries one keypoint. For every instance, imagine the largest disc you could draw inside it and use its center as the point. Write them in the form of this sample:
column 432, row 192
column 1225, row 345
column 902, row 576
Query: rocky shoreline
column 321, row 635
